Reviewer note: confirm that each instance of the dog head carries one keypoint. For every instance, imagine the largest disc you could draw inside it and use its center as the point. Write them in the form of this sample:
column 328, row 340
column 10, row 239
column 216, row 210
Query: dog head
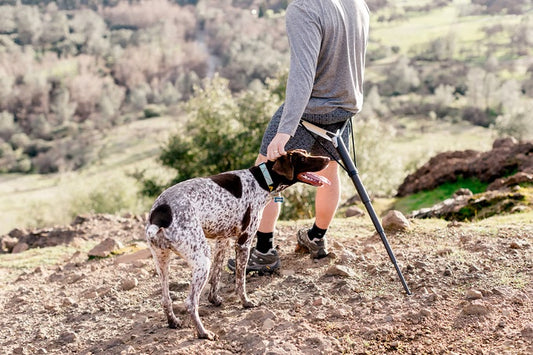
column 298, row 166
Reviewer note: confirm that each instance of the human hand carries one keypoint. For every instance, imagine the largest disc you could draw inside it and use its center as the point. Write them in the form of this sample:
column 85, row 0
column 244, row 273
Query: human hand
column 276, row 148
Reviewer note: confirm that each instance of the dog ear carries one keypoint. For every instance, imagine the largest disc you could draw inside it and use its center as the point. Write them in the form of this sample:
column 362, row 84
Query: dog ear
column 283, row 166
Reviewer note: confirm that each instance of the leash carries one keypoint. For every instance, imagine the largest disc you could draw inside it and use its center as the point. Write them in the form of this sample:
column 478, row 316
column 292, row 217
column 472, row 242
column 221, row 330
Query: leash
column 316, row 131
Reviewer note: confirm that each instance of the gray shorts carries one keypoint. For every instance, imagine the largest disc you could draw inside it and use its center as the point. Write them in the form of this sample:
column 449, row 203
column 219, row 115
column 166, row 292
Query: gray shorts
column 304, row 139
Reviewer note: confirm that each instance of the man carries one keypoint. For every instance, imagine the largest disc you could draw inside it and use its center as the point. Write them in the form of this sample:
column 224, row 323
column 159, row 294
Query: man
column 327, row 41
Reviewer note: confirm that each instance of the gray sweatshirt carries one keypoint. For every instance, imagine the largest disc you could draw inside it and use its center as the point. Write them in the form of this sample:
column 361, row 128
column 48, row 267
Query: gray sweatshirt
column 327, row 41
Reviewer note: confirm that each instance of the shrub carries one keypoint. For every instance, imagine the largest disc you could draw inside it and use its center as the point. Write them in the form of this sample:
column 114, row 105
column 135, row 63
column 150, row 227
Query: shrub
column 223, row 132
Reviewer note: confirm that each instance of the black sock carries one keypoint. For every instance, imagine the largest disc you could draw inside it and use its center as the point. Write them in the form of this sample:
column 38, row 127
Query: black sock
column 264, row 242
column 316, row 232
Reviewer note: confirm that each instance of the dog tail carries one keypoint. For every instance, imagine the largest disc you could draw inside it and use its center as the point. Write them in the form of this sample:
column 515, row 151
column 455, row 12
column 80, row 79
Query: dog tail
column 152, row 230
column 160, row 217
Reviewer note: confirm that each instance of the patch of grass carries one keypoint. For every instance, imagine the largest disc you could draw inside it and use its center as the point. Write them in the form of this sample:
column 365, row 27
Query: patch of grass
column 35, row 257
column 424, row 199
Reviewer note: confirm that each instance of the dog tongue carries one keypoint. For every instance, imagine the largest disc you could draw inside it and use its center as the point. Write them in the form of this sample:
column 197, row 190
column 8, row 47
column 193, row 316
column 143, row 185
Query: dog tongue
column 313, row 179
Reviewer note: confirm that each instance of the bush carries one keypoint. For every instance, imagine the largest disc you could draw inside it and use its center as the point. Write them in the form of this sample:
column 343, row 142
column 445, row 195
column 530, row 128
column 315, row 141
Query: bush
column 223, row 132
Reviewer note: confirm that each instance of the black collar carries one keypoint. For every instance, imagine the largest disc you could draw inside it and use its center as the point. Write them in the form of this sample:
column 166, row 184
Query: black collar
column 262, row 174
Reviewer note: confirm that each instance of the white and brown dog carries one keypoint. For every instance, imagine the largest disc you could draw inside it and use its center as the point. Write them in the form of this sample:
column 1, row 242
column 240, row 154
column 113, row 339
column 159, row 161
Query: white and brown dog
column 219, row 207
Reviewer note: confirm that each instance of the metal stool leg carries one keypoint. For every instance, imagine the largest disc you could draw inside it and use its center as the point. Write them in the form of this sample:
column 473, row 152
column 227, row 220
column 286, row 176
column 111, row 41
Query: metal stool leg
column 354, row 175
column 335, row 139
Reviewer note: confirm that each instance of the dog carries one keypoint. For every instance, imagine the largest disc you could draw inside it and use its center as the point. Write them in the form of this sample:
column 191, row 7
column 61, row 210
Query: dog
column 220, row 207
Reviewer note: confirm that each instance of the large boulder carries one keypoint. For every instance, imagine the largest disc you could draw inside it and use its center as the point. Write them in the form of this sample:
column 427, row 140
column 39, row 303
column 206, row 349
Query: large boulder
column 506, row 157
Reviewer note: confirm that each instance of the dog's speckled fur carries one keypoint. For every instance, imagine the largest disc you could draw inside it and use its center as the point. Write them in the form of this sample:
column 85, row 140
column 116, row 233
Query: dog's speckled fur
column 219, row 207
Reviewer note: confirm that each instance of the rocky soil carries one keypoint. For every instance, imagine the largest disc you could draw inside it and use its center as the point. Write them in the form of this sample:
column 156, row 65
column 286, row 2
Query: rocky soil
column 471, row 282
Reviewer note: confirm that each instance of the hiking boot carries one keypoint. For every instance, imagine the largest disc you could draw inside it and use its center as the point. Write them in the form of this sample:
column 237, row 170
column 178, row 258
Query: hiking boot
column 317, row 247
column 262, row 263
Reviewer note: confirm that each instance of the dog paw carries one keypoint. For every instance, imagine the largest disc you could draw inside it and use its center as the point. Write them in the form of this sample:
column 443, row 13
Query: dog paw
column 249, row 304
column 208, row 335
column 215, row 300
column 174, row 323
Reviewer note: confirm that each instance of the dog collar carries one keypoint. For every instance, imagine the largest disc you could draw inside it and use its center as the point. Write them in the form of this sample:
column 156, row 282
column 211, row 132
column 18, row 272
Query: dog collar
column 266, row 175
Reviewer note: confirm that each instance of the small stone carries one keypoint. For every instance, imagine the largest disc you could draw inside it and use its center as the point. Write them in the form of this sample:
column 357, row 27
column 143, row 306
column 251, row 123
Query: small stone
column 443, row 252
column 339, row 270
column 515, row 245
column 90, row 294
column 17, row 233
column 105, row 248
column 20, row 247
column 134, row 257
column 424, row 312
column 287, row 272
column 347, row 257
column 128, row 284
column 268, row 324
column 369, row 250
column 476, row 308
column 527, row 332
column 8, row 243
column 68, row 337
column 319, row 301
column 395, row 221
column 354, row 211
column 67, row 302
column 474, row 294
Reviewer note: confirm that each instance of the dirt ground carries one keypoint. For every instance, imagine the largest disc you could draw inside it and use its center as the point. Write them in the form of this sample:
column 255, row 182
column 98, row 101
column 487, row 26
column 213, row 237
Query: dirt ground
column 472, row 294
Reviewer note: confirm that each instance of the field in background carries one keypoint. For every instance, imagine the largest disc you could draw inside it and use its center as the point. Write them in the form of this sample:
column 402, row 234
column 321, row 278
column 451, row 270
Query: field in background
column 46, row 200
column 108, row 185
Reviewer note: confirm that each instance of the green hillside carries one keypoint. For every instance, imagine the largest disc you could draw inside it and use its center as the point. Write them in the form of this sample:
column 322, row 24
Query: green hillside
column 91, row 90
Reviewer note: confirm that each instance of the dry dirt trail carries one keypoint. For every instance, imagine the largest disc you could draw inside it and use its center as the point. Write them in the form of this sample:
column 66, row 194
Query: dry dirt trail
column 472, row 294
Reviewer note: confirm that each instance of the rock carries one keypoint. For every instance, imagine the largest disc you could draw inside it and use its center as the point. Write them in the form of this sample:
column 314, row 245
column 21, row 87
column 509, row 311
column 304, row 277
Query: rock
column 515, row 245
column 268, row 324
column 463, row 192
column 8, row 243
column 395, row 221
column 68, row 337
column 473, row 294
column 105, row 248
column 347, row 257
column 68, row 302
column 476, row 308
column 17, row 233
column 354, row 211
column 527, row 332
column 20, row 247
column 339, row 270
column 129, row 283
column 320, row 301
column 134, row 257
column 81, row 219
column 521, row 177
column 506, row 155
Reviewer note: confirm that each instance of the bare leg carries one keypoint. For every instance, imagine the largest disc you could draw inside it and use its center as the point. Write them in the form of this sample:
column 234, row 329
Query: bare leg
column 328, row 196
column 271, row 211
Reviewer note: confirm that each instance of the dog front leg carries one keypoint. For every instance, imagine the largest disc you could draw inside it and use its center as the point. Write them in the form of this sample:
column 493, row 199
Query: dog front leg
column 216, row 271
column 162, row 262
column 242, row 253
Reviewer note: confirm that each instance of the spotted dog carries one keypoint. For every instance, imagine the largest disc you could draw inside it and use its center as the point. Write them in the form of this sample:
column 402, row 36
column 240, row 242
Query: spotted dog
column 219, row 207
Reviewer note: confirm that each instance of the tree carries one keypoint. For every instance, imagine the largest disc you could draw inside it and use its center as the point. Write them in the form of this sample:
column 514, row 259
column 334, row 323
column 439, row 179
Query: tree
column 223, row 132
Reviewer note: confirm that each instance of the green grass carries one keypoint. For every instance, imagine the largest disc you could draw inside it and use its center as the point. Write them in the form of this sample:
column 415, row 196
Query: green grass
column 429, row 198
column 34, row 201
column 419, row 29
